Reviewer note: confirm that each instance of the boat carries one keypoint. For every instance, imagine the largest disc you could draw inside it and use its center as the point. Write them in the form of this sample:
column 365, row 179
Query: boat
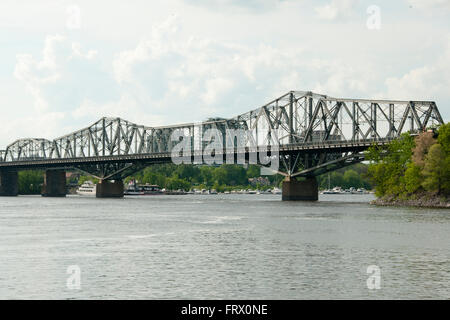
column 362, row 191
column 151, row 189
column 88, row 188
column 335, row 190
column 276, row 191
column 134, row 189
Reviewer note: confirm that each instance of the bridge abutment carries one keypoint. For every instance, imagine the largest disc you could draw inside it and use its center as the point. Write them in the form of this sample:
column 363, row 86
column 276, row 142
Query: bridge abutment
column 54, row 184
column 9, row 183
column 294, row 190
column 109, row 189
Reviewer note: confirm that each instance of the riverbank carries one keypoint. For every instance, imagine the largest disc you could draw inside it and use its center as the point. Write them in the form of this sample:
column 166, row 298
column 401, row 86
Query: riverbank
column 423, row 200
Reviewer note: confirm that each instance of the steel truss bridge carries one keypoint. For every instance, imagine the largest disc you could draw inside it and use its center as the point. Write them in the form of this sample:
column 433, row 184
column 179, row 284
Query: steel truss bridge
column 308, row 133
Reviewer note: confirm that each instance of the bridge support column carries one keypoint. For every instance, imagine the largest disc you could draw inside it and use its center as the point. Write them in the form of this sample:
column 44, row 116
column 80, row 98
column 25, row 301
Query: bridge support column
column 109, row 189
column 54, row 184
column 9, row 186
column 294, row 190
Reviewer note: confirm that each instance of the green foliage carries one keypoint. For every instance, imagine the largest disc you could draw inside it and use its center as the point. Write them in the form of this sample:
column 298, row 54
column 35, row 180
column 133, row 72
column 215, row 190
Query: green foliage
column 85, row 178
column 230, row 175
column 444, row 137
column 185, row 177
column 387, row 171
column 413, row 178
column 253, row 171
column 177, row 184
column 436, row 171
column 30, row 182
column 408, row 166
column 353, row 176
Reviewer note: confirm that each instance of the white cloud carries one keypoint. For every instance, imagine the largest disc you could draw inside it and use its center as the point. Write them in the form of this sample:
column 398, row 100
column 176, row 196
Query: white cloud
column 253, row 5
column 36, row 74
column 430, row 4
column 336, row 9
column 428, row 82
column 76, row 52
column 40, row 75
column 215, row 63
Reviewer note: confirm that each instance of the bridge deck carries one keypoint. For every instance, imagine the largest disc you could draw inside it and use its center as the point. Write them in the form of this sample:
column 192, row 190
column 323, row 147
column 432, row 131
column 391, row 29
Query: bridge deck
column 165, row 157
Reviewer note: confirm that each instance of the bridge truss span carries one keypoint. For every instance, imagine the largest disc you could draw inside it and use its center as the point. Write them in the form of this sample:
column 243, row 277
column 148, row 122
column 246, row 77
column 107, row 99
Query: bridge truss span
column 312, row 134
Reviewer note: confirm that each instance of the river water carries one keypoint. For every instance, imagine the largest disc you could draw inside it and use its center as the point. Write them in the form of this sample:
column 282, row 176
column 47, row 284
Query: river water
column 221, row 247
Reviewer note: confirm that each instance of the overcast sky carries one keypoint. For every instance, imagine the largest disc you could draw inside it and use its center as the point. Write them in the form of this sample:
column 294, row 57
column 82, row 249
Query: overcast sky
column 65, row 64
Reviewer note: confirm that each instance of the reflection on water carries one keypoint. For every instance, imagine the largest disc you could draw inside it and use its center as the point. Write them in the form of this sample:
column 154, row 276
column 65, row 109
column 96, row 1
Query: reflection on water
column 221, row 247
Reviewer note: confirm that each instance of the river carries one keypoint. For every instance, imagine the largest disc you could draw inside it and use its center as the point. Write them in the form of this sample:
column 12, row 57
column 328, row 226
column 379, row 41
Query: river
column 221, row 247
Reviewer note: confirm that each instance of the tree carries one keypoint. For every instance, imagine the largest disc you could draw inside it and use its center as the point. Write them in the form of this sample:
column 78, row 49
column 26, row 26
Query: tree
column 30, row 182
column 253, row 171
column 176, row 184
column 388, row 167
column 336, row 179
column 444, row 137
column 187, row 172
column 206, row 175
column 423, row 143
column 436, row 170
column 85, row 178
column 413, row 178
column 351, row 179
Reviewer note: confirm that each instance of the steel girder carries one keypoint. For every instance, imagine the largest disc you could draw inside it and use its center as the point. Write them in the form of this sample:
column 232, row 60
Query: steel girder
column 296, row 118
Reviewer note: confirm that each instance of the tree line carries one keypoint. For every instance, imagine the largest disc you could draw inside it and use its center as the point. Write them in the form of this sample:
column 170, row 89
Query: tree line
column 224, row 177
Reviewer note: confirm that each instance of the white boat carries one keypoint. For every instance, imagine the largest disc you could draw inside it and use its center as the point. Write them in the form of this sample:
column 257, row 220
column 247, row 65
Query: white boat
column 335, row 190
column 276, row 191
column 362, row 191
column 87, row 189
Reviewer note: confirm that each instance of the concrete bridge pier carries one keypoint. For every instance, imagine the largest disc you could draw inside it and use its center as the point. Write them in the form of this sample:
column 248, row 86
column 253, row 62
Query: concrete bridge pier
column 110, row 189
column 54, row 184
column 306, row 190
column 9, row 183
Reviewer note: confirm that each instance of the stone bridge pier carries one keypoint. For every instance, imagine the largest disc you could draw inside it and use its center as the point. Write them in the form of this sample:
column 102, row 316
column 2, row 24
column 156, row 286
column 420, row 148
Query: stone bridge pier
column 54, row 184
column 295, row 190
column 9, row 183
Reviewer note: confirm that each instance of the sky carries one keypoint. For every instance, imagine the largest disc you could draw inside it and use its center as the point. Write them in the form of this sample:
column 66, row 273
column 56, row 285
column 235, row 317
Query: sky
column 65, row 64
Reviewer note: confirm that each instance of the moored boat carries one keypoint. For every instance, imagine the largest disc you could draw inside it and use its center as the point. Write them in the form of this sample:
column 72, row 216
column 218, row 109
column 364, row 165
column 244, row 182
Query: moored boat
column 88, row 188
